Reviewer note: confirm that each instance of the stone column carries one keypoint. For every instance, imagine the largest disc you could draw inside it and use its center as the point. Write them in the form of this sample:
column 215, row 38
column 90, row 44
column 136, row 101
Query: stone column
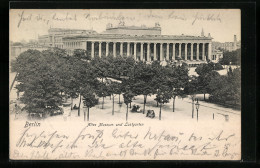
column 114, row 48
column 198, row 51
column 135, row 51
column 92, row 49
column 82, row 45
column 180, row 50
column 131, row 51
column 148, row 52
column 142, row 52
column 173, row 51
column 100, row 47
column 52, row 40
column 154, row 52
column 121, row 49
column 167, row 52
column 209, row 51
column 191, row 51
column 107, row 48
column 161, row 51
column 128, row 49
column 203, row 51
column 186, row 51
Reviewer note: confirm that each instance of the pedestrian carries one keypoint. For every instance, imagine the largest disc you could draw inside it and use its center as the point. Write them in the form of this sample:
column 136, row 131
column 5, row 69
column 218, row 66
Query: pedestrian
column 17, row 110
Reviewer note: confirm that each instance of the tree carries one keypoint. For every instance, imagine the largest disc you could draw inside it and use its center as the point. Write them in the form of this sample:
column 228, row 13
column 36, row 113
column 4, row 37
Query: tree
column 81, row 54
column 102, row 91
column 206, row 73
column 177, row 80
column 68, row 77
column 89, row 100
column 82, row 75
column 127, row 67
column 118, row 90
column 227, row 89
column 204, row 69
column 100, row 67
column 128, row 96
column 218, row 66
column 162, row 97
column 118, row 64
column 39, row 81
column 192, row 89
column 88, row 78
column 143, row 77
column 233, row 57
column 113, row 89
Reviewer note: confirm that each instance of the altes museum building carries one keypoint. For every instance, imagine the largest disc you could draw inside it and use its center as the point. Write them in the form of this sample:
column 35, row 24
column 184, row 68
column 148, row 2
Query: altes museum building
column 142, row 43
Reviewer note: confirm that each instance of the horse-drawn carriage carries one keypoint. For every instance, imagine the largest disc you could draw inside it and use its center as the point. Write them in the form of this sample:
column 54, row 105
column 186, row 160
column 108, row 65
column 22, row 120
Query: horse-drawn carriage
column 150, row 114
column 136, row 109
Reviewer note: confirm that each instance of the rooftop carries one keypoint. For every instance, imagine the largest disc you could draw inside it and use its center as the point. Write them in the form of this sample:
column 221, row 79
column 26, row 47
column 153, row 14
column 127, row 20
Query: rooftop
column 62, row 30
column 131, row 30
column 135, row 28
column 139, row 36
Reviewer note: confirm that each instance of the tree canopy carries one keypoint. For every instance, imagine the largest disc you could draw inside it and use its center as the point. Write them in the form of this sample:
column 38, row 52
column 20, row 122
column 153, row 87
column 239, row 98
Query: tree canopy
column 233, row 57
column 45, row 77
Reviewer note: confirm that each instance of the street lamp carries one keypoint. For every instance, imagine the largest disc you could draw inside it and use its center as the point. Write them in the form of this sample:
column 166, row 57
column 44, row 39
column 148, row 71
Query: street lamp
column 197, row 108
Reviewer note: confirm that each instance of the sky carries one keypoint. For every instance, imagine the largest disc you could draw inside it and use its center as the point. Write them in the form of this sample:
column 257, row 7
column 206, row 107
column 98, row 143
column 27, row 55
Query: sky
column 222, row 24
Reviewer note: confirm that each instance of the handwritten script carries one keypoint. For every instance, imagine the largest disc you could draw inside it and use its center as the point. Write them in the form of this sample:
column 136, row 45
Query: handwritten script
column 120, row 143
column 25, row 17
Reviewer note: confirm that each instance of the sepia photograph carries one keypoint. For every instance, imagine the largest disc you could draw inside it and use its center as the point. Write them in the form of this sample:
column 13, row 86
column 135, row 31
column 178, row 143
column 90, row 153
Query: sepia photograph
column 125, row 84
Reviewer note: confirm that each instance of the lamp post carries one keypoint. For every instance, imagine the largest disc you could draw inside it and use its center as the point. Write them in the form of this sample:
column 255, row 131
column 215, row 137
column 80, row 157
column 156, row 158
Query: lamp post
column 197, row 108
column 66, row 109
column 193, row 99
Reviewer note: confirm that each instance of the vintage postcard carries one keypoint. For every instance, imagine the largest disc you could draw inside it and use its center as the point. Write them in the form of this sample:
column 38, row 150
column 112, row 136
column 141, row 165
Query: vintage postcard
column 125, row 84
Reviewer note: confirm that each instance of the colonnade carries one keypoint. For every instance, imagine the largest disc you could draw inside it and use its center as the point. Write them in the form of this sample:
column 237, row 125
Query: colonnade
column 148, row 51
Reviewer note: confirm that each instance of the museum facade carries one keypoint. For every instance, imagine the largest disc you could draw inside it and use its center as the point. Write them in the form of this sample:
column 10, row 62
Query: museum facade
column 149, row 45
column 142, row 43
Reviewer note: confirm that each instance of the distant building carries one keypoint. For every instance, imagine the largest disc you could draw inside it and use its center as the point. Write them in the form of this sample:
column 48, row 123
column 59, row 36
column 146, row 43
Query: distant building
column 142, row 43
column 216, row 55
column 53, row 39
column 227, row 46
column 55, row 35
column 17, row 48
